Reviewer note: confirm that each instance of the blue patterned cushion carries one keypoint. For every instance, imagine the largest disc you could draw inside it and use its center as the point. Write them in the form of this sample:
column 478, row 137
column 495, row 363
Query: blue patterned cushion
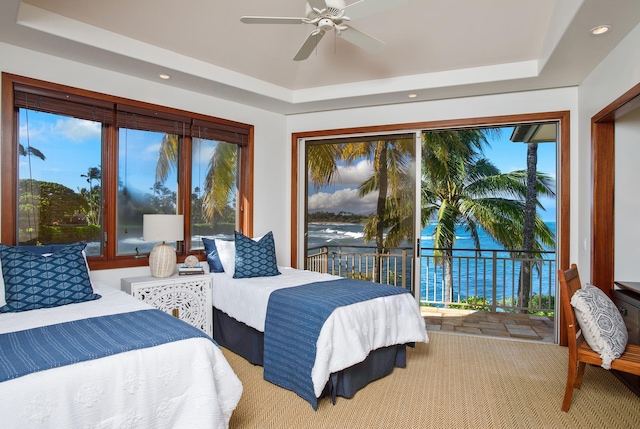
column 601, row 323
column 213, row 259
column 35, row 281
column 255, row 258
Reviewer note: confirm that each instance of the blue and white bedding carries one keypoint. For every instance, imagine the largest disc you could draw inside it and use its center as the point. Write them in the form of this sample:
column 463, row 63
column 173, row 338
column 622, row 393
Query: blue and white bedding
column 185, row 383
column 291, row 335
column 347, row 337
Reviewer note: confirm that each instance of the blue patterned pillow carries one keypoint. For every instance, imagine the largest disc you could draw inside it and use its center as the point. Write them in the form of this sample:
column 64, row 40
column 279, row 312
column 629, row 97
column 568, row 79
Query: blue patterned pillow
column 35, row 281
column 255, row 258
column 213, row 259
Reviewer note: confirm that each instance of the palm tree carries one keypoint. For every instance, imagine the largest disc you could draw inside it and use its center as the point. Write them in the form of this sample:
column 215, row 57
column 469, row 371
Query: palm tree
column 92, row 195
column 390, row 179
column 30, row 150
column 524, row 285
column 221, row 174
column 460, row 188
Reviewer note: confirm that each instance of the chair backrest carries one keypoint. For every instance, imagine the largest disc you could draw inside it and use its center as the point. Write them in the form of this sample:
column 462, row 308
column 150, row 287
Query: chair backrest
column 569, row 284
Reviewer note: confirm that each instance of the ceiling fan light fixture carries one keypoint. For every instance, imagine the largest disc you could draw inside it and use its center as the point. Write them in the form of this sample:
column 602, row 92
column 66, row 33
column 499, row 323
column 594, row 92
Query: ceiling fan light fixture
column 600, row 29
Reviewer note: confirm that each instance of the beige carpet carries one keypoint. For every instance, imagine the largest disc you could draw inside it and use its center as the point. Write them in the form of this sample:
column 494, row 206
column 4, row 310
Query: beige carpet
column 456, row 381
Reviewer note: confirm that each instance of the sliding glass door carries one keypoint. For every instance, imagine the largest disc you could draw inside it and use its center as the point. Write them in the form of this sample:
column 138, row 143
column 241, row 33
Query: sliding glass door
column 359, row 218
column 489, row 217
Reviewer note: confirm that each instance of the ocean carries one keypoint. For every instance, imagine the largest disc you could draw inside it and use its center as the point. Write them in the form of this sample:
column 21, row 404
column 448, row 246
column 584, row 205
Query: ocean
column 472, row 276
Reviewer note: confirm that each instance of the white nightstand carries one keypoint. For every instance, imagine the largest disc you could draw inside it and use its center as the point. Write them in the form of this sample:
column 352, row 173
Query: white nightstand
column 185, row 297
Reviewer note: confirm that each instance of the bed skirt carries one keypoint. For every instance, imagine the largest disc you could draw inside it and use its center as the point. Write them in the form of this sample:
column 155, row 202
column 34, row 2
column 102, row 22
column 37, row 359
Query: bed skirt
column 249, row 343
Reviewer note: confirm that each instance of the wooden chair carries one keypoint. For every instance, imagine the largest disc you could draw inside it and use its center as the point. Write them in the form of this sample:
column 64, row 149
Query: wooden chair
column 580, row 353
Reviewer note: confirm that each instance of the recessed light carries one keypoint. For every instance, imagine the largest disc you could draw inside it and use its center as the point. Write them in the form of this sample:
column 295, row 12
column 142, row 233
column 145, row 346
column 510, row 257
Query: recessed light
column 412, row 95
column 164, row 76
column 600, row 29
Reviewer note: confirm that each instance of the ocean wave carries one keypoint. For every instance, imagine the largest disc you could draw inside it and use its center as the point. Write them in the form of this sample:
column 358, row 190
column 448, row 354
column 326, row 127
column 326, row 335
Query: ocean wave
column 430, row 237
column 332, row 232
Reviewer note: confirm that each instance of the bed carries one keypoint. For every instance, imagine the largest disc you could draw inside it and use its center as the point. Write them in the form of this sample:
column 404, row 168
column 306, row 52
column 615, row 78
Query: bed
column 180, row 380
column 359, row 342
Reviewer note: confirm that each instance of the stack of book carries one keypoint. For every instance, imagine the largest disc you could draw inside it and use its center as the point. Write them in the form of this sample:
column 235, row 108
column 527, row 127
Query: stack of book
column 186, row 271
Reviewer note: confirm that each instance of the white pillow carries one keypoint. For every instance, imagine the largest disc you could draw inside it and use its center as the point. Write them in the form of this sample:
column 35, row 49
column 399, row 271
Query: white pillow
column 227, row 254
column 601, row 323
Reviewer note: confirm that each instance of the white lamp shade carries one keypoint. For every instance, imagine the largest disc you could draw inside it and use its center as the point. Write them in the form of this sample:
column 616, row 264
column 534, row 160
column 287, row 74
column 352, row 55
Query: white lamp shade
column 162, row 227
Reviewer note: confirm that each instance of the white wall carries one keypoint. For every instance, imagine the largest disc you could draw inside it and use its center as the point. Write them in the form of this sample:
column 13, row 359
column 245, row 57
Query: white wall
column 627, row 198
column 271, row 142
column 614, row 76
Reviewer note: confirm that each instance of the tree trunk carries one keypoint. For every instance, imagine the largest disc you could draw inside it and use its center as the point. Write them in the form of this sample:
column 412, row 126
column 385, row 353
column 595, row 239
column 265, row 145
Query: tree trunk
column 380, row 208
column 528, row 237
column 448, row 276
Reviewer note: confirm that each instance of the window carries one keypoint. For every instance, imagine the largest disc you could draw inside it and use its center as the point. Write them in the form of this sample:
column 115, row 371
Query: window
column 78, row 165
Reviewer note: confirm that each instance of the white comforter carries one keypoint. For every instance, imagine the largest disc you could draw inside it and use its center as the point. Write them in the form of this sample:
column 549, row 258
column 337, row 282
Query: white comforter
column 183, row 384
column 349, row 334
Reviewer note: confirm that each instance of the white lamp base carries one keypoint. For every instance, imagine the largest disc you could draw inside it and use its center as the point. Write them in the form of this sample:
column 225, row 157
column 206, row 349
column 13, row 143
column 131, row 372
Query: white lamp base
column 162, row 261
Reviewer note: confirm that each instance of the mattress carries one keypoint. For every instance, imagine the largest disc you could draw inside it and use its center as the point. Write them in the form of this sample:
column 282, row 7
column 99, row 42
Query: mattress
column 185, row 383
column 348, row 335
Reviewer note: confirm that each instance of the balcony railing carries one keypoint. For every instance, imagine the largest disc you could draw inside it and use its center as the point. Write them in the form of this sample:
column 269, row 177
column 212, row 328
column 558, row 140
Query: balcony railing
column 481, row 279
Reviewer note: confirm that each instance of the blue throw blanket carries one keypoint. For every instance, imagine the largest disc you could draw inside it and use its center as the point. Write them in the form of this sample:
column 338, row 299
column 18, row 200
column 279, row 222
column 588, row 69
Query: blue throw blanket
column 294, row 319
column 52, row 346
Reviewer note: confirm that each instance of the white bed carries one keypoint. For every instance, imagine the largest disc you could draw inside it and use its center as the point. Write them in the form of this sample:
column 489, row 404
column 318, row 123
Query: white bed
column 347, row 337
column 182, row 384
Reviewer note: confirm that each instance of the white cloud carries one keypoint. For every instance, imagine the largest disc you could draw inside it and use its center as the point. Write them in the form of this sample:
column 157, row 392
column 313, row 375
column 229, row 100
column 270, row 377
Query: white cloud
column 346, row 200
column 77, row 130
column 31, row 133
column 152, row 150
column 354, row 175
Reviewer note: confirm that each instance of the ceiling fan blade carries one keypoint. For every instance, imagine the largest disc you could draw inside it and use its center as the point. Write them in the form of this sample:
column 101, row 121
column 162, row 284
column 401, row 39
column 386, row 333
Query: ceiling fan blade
column 271, row 20
column 317, row 4
column 369, row 7
column 361, row 39
column 309, row 45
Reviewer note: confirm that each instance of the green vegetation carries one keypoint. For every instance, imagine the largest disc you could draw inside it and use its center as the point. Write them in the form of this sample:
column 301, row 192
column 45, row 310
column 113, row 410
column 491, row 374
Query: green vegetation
column 483, row 304
column 342, row 217
column 473, row 303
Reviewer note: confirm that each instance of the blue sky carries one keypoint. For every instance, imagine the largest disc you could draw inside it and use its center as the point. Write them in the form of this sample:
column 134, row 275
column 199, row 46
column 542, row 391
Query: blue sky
column 506, row 155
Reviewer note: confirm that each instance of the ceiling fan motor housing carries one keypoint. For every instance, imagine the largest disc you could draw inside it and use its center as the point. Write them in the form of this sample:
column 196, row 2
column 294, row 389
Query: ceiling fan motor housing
column 334, row 7
column 325, row 24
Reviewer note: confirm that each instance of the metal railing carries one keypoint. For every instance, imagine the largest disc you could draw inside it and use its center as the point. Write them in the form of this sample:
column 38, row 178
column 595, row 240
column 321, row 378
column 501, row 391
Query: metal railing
column 394, row 268
column 480, row 279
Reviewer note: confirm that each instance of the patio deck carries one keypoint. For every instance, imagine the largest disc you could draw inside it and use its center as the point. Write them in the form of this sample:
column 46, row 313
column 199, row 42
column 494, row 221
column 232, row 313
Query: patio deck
column 473, row 322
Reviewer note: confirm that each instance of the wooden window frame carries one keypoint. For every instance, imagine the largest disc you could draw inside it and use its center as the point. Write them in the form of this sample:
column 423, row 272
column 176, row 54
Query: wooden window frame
column 220, row 128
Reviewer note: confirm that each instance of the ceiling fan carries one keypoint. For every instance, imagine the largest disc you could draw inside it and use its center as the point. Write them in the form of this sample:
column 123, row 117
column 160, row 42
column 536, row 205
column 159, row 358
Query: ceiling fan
column 332, row 14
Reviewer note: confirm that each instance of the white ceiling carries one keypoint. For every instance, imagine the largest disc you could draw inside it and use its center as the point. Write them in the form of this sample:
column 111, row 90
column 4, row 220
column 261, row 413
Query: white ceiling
column 434, row 48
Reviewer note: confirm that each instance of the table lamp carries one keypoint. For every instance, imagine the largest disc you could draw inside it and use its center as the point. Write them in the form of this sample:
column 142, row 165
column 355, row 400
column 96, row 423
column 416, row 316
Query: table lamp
column 162, row 227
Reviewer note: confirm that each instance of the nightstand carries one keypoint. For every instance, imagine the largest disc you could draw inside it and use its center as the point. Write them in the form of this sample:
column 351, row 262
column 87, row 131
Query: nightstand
column 185, row 297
